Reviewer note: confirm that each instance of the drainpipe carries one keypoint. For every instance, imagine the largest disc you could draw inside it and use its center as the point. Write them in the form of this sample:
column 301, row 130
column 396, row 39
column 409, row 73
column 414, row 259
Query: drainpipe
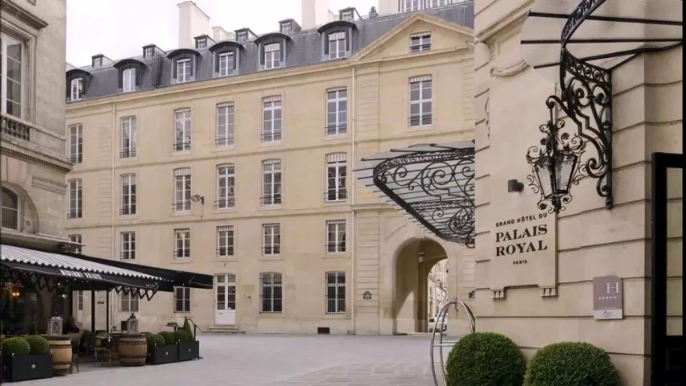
column 352, row 202
column 110, row 308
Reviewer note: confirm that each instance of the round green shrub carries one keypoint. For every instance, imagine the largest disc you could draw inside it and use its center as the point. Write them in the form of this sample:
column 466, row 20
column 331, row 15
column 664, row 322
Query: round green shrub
column 571, row 364
column 15, row 346
column 485, row 359
column 182, row 336
column 154, row 340
column 38, row 344
column 168, row 337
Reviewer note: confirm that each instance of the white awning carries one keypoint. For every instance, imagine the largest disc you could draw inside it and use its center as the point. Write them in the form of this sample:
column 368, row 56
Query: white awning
column 432, row 183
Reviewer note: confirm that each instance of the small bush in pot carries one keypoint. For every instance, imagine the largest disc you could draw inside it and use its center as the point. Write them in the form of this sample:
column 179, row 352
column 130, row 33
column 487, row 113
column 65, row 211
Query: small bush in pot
column 182, row 336
column 571, row 364
column 38, row 344
column 154, row 340
column 485, row 359
column 187, row 326
column 168, row 337
column 15, row 347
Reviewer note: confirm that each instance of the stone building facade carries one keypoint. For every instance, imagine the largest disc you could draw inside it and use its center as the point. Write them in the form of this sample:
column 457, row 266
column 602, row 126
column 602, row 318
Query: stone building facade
column 248, row 176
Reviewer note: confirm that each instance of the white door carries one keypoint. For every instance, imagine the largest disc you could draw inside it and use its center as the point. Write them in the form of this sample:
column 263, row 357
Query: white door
column 225, row 300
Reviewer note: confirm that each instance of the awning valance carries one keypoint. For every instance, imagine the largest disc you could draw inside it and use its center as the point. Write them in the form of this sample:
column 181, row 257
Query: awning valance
column 432, row 183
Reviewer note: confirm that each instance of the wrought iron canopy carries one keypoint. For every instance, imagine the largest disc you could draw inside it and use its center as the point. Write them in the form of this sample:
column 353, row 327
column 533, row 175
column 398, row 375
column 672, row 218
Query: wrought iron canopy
column 432, row 183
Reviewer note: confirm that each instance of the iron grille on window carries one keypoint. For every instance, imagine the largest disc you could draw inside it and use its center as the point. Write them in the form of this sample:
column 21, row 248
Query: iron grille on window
column 225, row 251
column 271, row 294
column 271, row 250
column 225, row 203
column 335, row 236
column 127, row 255
column 182, row 145
column 274, row 199
column 336, row 174
column 272, row 239
column 335, row 292
column 420, row 101
column 181, row 206
column 420, row 42
column 225, row 239
column 130, row 153
column 127, row 210
column 74, row 214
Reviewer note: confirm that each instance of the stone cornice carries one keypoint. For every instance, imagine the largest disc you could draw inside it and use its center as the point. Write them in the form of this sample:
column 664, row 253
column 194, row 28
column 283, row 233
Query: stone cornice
column 55, row 164
column 12, row 8
column 497, row 27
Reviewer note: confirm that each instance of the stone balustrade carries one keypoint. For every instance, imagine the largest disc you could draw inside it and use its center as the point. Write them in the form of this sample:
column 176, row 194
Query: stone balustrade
column 14, row 127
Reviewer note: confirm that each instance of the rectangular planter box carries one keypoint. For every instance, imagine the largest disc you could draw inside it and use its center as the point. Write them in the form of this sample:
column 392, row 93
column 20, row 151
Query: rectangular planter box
column 163, row 354
column 189, row 350
column 24, row 368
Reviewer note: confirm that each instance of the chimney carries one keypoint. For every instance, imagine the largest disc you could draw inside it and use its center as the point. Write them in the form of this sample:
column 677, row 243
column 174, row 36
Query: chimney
column 192, row 22
column 315, row 13
column 219, row 34
column 388, row 7
column 373, row 13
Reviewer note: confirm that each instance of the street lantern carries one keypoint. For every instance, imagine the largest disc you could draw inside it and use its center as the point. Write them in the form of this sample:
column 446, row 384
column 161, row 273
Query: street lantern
column 55, row 325
column 132, row 324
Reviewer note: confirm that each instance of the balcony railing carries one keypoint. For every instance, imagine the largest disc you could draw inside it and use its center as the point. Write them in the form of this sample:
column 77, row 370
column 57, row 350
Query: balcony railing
column 127, row 255
column 127, row 210
column 271, row 250
column 420, row 120
column 225, row 251
column 223, row 141
column 128, row 153
column 181, row 146
column 182, row 253
column 14, row 128
column 333, row 195
column 271, row 137
column 271, row 200
column 74, row 214
column 335, row 247
column 336, row 129
column 181, row 206
column 225, row 203
column 75, row 159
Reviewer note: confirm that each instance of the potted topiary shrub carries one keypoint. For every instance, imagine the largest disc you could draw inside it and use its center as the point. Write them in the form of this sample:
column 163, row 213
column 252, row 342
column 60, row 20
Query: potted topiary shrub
column 571, row 364
column 25, row 359
column 485, row 359
column 159, row 349
column 188, row 347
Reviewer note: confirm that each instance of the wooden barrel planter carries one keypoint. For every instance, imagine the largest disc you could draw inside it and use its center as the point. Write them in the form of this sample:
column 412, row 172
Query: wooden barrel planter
column 132, row 350
column 60, row 346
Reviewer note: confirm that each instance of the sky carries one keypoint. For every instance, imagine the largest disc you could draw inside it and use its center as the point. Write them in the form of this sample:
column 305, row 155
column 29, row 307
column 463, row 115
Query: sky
column 120, row 28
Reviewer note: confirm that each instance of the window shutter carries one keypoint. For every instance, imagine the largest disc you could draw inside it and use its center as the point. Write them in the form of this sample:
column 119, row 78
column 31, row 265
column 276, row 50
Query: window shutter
column 236, row 56
column 283, row 53
column 192, row 63
column 69, row 80
column 326, row 44
column 216, row 61
column 348, row 38
column 174, row 68
column 262, row 54
column 139, row 75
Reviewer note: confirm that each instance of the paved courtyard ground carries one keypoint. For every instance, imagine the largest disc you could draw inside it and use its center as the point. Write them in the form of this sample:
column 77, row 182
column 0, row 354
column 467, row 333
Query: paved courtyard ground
column 271, row 360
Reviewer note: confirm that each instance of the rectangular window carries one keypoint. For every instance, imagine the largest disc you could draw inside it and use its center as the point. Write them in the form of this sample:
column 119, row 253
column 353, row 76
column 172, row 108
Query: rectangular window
column 410, row 5
column 272, row 56
column 128, row 137
column 182, row 243
column 335, row 236
column 75, row 199
column 420, row 42
column 437, row 3
column 129, row 80
column 225, row 120
column 336, row 111
column 182, row 190
column 183, row 70
column 128, row 246
column 76, row 89
column 182, row 130
column 12, row 78
column 225, row 241
column 271, row 292
column 76, row 144
column 128, row 194
column 226, row 63
column 76, row 239
column 202, row 43
column 337, row 45
column 148, row 53
column 420, row 101
column 336, row 174
column 347, row 16
column 226, row 180
column 129, row 302
column 271, row 182
column 286, row 28
column 271, row 118
column 79, row 301
column 335, row 292
column 182, row 299
column 272, row 239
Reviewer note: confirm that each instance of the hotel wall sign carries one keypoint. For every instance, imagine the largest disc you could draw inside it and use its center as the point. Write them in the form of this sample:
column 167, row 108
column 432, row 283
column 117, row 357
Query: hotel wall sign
column 607, row 298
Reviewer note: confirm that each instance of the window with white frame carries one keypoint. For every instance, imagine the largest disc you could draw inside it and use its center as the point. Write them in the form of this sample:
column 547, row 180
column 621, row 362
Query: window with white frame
column 76, row 88
column 336, row 174
column 202, row 43
column 271, row 292
column 182, row 190
column 182, row 130
column 76, row 144
column 420, row 42
column 335, row 236
column 75, row 199
column 271, row 182
column 225, row 241
column 128, row 302
column 13, row 62
column 76, row 239
column 182, row 299
column 128, row 194
column 10, row 209
column 272, row 239
column 226, row 63
column 409, row 5
column 337, row 45
column 348, row 16
column 128, row 137
column 225, row 124
column 420, row 101
column 437, row 3
column 182, row 243
column 226, row 180
column 183, row 70
column 335, row 292
column 336, row 111
column 148, row 52
column 128, row 246
column 286, row 28
column 271, row 119
column 272, row 56
column 128, row 80
column 242, row 37
column 79, row 301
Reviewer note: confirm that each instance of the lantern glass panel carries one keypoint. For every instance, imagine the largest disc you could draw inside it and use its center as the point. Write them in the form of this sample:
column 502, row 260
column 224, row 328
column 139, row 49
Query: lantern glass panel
column 545, row 177
column 55, row 324
column 564, row 169
column 132, row 325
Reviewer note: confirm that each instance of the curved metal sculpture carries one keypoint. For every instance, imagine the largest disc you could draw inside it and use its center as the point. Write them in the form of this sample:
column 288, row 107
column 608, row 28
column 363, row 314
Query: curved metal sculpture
column 446, row 344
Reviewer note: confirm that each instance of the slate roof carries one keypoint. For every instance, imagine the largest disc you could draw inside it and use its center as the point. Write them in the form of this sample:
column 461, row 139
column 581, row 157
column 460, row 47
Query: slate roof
column 304, row 49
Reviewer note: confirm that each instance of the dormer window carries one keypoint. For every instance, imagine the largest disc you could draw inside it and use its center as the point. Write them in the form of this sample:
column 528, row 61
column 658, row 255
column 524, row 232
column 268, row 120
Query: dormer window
column 202, row 43
column 130, row 71
column 347, row 16
column 226, row 63
column 242, row 37
column 272, row 56
column 420, row 42
column 76, row 89
column 148, row 53
column 409, row 5
column 337, row 45
column 272, row 50
column 289, row 26
column 286, row 28
column 336, row 38
column 183, row 70
column 184, row 64
column 129, row 80
column 226, row 57
column 77, row 84
column 97, row 62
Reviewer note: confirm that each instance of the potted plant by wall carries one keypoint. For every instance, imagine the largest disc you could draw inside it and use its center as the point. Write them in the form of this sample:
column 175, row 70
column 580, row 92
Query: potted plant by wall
column 26, row 358
column 161, row 348
column 571, row 364
column 189, row 348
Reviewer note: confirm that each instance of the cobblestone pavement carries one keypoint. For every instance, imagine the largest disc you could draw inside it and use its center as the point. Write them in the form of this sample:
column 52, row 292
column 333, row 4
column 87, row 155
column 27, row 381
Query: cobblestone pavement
column 271, row 360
